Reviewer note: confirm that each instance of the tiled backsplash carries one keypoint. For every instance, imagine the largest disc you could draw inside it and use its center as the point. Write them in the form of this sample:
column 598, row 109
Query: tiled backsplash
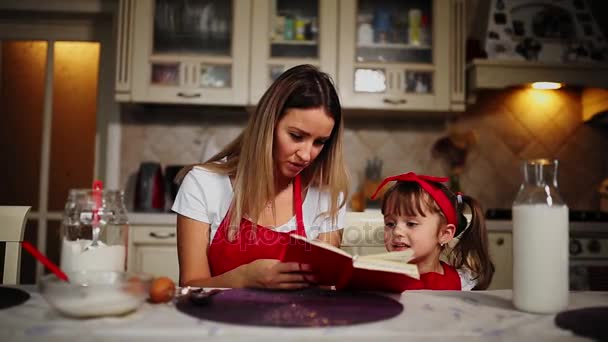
column 510, row 125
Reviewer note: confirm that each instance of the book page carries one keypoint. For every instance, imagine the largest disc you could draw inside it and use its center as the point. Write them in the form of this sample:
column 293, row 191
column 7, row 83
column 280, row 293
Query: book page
column 410, row 270
column 401, row 256
column 322, row 244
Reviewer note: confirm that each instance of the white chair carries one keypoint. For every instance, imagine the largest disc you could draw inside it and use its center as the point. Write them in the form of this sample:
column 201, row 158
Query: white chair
column 12, row 227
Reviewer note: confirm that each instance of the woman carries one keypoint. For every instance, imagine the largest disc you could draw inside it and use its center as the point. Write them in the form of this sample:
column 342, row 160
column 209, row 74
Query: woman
column 283, row 173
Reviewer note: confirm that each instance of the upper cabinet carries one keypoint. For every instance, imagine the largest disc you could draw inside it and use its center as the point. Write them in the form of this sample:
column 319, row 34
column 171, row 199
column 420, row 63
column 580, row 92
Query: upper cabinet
column 287, row 33
column 382, row 54
column 184, row 51
column 402, row 55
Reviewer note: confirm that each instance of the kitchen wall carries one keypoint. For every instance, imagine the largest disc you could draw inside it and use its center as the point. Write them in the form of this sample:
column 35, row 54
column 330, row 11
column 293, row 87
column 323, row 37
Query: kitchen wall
column 509, row 125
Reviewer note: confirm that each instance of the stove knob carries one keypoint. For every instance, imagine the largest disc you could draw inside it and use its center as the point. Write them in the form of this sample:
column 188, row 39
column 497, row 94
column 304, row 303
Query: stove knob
column 594, row 246
column 575, row 247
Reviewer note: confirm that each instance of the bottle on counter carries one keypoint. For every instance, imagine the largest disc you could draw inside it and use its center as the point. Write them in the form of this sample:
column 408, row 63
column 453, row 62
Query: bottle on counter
column 540, row 241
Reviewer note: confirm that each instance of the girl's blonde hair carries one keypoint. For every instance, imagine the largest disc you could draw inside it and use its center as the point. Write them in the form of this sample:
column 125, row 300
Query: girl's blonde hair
column 249, row 158
column 471, row 251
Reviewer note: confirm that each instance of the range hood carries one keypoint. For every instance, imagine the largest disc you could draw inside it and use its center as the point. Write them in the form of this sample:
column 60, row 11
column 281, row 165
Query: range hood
column 497, row 74
column 500, row 74
column 528, row 41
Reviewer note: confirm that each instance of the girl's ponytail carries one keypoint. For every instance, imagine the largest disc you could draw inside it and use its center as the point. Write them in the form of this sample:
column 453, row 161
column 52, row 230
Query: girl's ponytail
column 471, row 251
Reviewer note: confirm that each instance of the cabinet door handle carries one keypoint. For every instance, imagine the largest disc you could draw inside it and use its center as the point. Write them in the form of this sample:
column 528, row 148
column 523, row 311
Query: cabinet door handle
column 188, row 95
column 162, row 236
column 500, row 241
column 394, row 102
column 399, row 80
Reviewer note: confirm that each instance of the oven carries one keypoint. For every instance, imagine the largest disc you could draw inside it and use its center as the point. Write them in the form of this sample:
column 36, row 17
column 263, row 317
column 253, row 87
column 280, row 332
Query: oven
column 589, row 256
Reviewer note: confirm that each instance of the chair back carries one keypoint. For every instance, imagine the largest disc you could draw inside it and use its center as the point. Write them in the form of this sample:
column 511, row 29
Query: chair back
column 12, row 227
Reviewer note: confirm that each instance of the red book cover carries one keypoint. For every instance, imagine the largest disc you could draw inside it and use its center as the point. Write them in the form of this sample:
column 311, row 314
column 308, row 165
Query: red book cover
column 328, row 262
column 374, row 280
column 388, row 272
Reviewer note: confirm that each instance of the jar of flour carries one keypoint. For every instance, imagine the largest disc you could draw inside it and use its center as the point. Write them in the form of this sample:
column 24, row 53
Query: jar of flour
column 90, row 241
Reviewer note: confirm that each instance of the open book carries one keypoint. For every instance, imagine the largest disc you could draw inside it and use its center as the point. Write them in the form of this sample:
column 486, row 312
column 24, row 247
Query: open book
column 378, row 272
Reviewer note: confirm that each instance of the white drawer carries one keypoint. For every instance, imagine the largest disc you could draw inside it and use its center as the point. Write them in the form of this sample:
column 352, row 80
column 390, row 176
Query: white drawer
column 154, row 235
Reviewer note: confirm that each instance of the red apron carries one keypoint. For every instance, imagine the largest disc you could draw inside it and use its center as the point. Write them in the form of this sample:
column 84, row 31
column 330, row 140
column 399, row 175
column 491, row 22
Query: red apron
column 225, row 255
column 449, row 280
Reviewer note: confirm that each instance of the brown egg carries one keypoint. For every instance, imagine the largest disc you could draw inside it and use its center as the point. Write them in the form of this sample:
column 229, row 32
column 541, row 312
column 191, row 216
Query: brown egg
column 162, row 290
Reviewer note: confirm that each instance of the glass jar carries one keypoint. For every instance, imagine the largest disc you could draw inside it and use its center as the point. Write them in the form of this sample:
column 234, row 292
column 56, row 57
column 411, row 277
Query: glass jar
column 540, row 241
column 78, row 252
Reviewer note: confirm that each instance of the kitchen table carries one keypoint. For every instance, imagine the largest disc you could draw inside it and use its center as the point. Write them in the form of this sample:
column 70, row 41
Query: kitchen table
column 427, row 316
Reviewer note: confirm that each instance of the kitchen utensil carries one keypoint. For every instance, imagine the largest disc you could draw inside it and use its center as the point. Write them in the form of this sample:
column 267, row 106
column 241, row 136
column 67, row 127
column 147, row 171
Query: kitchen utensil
column 96, row 293
column 44, row 260
column 373, row 169
column 201, row 296
column 97, row 188
column 149, row 188
column 170, row 184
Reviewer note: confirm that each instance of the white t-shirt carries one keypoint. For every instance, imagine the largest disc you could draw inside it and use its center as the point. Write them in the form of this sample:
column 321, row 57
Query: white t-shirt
column 205, row 196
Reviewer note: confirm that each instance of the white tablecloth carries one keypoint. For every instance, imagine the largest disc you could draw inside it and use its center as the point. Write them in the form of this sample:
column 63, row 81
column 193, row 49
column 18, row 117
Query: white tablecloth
column 427, row 316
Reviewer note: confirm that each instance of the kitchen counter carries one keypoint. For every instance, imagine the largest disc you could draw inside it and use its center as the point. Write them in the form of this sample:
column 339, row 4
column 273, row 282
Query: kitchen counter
column 372, row 218
column 428, row 316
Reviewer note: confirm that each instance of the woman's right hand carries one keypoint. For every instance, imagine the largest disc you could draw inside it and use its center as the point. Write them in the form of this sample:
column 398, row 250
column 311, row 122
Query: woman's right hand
column 271, row 273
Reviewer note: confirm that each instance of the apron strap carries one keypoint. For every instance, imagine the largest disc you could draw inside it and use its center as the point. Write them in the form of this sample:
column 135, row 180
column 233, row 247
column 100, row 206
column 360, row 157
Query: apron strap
column 297, row 204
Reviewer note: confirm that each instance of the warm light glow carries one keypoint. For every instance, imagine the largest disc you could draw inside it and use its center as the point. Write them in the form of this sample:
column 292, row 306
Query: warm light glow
column 546, row 85
column 548, row 101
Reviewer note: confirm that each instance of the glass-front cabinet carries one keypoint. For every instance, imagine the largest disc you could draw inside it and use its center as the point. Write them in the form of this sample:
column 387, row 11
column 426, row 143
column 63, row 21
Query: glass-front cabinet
column 382, row 54
column 397, row 54
column 190, row 51
column 287, row 33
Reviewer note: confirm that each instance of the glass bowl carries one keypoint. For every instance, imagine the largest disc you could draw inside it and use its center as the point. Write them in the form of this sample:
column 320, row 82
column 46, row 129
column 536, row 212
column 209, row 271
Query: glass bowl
column 96, row 293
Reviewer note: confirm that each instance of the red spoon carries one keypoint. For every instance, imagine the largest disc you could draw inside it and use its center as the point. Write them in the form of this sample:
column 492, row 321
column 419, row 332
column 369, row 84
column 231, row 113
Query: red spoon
column 44, row 260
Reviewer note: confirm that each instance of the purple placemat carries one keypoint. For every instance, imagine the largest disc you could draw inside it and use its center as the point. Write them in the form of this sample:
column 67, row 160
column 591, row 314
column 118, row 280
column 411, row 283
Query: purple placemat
column 10, row 297
column 303, row 308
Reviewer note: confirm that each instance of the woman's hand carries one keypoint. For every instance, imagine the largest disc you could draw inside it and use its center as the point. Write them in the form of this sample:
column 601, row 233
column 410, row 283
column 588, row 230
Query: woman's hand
column 271, row 273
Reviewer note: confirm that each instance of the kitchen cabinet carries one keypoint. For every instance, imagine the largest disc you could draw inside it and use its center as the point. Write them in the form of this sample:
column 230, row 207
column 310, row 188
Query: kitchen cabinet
column 289, row 33
column 501, row 251
column 153, row 249
column 183, row 52
column 388, row 54
column 402, row 55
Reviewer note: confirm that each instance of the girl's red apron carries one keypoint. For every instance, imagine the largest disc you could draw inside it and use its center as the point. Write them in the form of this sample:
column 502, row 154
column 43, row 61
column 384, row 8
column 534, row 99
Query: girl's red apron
column 449, row 280
column 225, row 255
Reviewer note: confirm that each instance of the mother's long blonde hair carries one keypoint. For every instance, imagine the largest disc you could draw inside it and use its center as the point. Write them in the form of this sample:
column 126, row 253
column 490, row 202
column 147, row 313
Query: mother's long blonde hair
column 249, row 158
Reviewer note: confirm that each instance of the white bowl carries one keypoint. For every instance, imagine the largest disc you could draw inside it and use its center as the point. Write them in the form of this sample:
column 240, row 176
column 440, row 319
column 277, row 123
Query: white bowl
column 96, row 293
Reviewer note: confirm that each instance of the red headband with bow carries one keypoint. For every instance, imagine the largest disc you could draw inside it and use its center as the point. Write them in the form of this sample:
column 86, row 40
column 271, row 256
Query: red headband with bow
column 436, row 193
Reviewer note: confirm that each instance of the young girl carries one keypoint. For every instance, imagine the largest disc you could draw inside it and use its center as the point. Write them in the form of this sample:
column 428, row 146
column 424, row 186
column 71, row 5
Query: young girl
column 422, row 214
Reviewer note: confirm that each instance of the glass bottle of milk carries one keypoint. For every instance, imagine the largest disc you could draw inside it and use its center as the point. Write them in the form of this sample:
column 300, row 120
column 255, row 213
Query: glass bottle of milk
column 78, row 252
column 540, row 241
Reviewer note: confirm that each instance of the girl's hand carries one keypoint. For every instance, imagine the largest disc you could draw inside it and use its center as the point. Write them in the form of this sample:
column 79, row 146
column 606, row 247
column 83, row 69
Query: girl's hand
column 271, row 273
